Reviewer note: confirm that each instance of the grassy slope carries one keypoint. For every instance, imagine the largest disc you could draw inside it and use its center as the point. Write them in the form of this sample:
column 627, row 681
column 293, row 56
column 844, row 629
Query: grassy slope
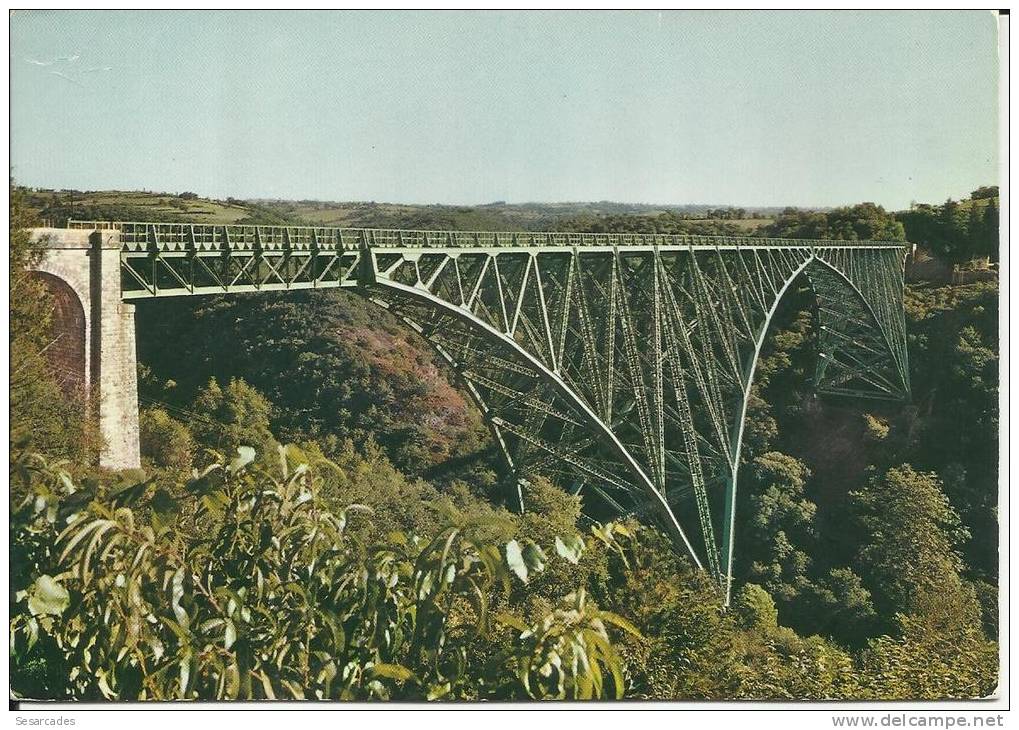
column 141, row 206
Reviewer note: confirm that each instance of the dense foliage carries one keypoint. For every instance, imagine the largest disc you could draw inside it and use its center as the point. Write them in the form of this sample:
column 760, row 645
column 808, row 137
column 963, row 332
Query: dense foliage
column 865, row 221
column 667, row 223
column 954, row 430
column 250, row 587
column 956, row 231
column 330, row 366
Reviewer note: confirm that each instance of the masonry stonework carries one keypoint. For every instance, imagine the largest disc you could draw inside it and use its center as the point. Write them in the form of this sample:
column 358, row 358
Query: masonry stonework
column 89, row 263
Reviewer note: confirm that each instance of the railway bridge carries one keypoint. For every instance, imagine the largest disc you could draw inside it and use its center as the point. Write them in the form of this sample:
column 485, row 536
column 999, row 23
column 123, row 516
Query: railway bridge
column 618, row 364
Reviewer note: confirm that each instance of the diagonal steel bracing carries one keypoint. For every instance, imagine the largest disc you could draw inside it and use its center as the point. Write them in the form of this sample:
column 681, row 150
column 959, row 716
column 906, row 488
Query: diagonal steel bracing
column 619, row 364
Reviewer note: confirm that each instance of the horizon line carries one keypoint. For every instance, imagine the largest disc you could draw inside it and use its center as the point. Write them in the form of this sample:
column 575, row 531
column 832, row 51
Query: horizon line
column 489, row 204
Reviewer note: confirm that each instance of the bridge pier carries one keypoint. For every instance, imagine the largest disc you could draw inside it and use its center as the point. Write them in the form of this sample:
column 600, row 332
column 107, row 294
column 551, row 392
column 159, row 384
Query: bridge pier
column 88, row 264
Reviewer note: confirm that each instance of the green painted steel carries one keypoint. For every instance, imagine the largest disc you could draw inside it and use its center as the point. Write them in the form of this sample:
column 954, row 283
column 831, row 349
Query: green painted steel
column 619, row 364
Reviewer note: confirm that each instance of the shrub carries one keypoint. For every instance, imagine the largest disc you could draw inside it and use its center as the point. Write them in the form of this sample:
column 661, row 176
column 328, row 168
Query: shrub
column 875, row 429
column 755, row 608
column 165, row 441
column 227, row 417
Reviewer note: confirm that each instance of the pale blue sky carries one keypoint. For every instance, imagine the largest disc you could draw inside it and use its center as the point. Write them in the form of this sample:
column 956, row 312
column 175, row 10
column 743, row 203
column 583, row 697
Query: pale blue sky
column 777, row 108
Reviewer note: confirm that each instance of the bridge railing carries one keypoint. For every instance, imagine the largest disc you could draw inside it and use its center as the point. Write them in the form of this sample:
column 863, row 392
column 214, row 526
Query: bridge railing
column 141, row 236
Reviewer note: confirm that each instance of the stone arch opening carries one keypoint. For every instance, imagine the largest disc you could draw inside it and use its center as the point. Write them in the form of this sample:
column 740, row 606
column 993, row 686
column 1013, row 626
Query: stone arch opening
column 66, row 352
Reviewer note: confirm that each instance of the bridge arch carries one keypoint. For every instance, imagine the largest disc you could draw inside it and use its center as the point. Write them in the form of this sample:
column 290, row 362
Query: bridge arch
column 412, row 305
column 447, row 317
column 65, row 269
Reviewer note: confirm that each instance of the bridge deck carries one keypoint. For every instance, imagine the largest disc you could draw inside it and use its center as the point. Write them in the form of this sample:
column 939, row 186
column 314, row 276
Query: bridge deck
column 169, row 237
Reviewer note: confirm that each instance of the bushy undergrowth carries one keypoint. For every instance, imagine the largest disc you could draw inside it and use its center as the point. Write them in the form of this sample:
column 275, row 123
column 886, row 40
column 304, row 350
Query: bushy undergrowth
column 269, row 596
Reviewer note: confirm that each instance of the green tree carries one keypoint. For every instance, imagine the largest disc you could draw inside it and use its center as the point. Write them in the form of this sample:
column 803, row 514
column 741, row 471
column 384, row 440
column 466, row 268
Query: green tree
column 755, row 608
column 938, row 650
column 955, row 232
column 838, row 605
column 912, row 535
column 687, row 647
column 272, row 599
column 990, row 230
column 985, row 191
column 976, row 243
column 779, row 528
column 165, row 441
column 237, row 415
column 935, row 646
column 954, row 356
column 865, row 221
column 43, row 415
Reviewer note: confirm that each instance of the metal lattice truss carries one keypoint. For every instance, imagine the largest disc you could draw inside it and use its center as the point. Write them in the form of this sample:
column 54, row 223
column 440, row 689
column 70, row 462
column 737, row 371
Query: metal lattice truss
column 618, row 365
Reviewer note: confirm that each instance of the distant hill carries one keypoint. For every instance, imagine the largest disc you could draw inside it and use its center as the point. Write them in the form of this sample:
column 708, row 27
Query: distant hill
column 495, row 216
column 56, row 207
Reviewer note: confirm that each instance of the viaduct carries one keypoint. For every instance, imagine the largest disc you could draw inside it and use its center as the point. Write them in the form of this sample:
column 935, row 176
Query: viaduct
column 619, row 364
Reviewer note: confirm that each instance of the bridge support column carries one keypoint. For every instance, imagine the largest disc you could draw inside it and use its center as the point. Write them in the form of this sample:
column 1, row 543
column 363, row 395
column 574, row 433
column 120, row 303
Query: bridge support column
column 88, row 262
column 114, row 363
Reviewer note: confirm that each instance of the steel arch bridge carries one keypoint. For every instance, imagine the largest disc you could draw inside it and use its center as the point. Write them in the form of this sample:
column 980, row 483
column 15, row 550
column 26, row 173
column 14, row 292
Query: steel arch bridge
column 620, row 364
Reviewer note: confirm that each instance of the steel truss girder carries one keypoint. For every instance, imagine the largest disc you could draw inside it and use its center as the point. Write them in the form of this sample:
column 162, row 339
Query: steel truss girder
column 657, row 348
column 622, row 365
